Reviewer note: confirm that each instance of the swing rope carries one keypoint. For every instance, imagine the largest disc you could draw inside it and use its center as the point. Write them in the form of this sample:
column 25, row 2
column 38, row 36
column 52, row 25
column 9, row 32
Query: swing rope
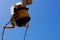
column 4, row 30
column 25, row 34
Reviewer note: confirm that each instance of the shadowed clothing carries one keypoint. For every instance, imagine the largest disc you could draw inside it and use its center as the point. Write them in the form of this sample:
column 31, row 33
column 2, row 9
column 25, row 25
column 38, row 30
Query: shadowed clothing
column 21, row 16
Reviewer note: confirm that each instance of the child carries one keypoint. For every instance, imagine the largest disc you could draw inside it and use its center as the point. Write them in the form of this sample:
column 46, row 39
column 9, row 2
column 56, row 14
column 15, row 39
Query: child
column 20, row 16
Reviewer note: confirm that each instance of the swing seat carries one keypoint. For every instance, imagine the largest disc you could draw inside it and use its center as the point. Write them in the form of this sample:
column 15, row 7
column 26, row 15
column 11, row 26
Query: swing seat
column 22, row 21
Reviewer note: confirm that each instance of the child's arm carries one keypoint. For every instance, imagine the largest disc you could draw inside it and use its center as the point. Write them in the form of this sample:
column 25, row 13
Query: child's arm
column 12, row 24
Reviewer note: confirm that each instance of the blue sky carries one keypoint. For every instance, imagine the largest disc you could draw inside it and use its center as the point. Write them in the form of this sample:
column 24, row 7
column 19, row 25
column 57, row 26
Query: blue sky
column 44, row 24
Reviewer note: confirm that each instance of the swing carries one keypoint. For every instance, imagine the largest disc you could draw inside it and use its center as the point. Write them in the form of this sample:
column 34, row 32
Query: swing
column 20, row 17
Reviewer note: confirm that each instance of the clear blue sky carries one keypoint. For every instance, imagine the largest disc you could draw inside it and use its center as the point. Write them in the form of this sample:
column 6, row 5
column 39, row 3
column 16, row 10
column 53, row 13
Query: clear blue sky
column 44, row 24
